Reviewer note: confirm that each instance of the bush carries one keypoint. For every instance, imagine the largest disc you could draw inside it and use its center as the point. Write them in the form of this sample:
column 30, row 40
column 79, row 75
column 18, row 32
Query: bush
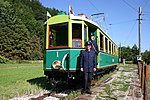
column 3, row 59
column 129, row 62
column 26, row 61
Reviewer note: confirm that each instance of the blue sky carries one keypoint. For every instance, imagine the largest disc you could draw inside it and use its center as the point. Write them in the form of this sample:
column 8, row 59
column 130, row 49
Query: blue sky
column 120, row 17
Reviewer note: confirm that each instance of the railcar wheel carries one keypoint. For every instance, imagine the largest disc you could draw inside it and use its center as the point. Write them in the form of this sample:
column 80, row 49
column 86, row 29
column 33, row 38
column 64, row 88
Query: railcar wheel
column 53, row 83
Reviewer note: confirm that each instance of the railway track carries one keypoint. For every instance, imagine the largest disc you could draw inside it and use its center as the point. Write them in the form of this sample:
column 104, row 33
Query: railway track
column 51, row 96
column 62, row 94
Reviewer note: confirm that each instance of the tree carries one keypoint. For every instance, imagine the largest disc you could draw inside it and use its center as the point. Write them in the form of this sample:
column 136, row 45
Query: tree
column 135, row 49
column 14, row 34
column 146, row 56
column 16, row 42
column 129, row 54
column 134, row 53
column 22, row 28
column 126, row 53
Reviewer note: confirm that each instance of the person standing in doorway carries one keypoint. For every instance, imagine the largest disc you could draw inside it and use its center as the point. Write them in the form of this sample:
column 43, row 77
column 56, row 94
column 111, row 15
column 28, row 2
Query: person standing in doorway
column 94, row 45
column 88, row 66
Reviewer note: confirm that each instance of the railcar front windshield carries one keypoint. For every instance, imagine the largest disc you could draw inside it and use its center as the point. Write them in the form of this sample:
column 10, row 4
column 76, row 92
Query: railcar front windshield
column 58, row 35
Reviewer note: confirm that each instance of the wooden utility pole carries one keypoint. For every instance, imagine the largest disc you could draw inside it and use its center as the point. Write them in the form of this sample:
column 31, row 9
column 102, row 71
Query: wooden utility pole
column 139, row 57
column 142, row 77
column 140, row 32
column 146, row 82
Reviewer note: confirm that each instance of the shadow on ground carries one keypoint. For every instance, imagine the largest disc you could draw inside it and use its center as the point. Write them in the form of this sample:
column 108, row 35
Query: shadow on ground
column 40, row 82
column 73, row 85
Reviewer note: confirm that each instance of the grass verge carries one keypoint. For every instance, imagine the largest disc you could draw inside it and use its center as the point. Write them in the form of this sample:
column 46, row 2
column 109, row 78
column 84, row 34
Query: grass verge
column 16, row 79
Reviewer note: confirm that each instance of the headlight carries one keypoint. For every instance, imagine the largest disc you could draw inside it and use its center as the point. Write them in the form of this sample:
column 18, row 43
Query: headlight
column 56, row 64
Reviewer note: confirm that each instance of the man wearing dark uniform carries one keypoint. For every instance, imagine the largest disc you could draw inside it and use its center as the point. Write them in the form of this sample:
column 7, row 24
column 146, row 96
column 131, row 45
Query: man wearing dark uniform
column 94, row 44
column 88, row 65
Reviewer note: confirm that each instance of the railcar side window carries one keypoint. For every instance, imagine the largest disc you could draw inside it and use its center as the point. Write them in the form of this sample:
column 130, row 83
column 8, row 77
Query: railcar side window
column 112, row 49
column 77, row 43
column 101, row 42
column 109, row 47
column 77, row 35
column 58, row 35
column 106, row 44
column 85, row 34
column 51, row 37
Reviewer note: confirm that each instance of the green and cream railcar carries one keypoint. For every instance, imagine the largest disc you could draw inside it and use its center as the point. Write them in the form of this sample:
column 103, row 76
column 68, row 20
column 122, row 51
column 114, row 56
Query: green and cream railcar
column 64, row 41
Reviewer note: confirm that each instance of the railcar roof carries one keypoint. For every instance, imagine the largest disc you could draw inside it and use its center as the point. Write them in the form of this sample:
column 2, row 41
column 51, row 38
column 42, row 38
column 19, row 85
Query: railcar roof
column 65, row 18
column 92, row 22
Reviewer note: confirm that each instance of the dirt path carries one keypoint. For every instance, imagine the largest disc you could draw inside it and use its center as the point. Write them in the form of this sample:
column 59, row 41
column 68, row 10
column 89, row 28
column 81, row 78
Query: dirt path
column 123, row 85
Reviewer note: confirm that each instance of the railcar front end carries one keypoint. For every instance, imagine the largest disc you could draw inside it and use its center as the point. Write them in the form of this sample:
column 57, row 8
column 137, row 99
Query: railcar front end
column 64, row 40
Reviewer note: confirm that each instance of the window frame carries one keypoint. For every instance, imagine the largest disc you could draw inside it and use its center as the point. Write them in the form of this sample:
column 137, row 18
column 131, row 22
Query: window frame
column 49, row 33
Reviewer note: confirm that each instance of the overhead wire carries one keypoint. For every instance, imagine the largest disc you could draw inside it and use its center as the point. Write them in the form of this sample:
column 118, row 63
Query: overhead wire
column 147, row 22
column 146, row 19
column 130, row 5
column 142, row 2
column 145, row 4
column 130, row 32
column 146, row 12
column 123, row 22
column 93, row 5
column 98, row 11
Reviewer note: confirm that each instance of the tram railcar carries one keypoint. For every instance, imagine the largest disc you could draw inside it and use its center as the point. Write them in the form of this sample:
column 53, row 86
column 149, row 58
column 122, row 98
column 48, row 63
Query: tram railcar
column 64, row 40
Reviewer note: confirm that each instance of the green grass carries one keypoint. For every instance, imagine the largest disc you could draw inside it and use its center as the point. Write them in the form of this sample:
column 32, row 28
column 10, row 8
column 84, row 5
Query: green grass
column 106, row 76
column 73, row 95
column 108, row 90
column 25, row 79
column 19, row 79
